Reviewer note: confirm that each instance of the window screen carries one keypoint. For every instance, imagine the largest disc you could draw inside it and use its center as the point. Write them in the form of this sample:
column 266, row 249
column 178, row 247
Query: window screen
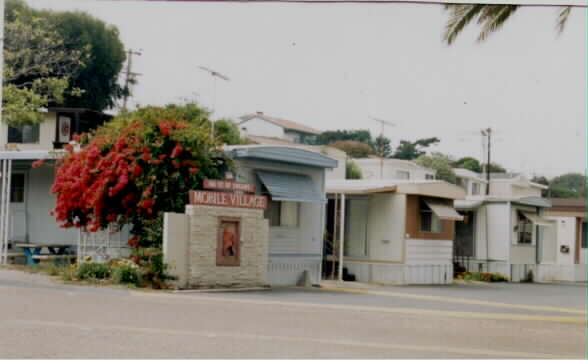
column 26, row 134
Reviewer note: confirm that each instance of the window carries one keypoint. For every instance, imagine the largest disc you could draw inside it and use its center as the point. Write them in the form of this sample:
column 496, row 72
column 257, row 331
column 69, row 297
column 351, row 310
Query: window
column 524, row 229
column 429, row 221
column 402, row 175
column 475, row 188
column 26, row 134
column 283, row 213
column 17, row 188
column 429, row 177
column 583, row 234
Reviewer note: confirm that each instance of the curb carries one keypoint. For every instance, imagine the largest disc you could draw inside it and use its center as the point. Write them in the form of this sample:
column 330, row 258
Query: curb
column 212, row 290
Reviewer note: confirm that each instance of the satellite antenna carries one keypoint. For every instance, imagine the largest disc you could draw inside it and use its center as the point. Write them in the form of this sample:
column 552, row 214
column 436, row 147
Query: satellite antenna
column 214, row 74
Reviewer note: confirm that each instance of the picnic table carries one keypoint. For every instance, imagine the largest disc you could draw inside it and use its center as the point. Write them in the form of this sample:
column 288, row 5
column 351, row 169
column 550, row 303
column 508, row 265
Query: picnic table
column 57, row 252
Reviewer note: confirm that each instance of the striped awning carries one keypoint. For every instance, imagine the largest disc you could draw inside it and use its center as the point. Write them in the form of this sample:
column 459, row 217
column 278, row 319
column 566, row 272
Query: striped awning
column 443, row 210
column 291, row 187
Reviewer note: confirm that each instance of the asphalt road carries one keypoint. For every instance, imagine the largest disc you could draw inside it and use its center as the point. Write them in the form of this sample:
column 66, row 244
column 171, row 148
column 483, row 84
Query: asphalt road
column 42, row 318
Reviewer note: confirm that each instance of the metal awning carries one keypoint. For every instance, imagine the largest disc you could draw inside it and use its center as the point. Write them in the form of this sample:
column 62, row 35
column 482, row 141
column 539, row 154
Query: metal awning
column 538, row 220
column 291, row 187
column 443, row 210
column 467, row 204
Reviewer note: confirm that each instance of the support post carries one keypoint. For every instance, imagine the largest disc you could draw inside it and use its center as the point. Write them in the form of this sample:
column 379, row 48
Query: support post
column 341, row 236
column 7, row 205
column 3, row 243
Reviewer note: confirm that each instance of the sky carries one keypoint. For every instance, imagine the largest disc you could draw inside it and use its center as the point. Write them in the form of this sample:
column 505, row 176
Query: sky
column 336, row 66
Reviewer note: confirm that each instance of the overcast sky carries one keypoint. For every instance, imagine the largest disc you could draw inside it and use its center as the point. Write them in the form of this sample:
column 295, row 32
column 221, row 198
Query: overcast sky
column 331, row 66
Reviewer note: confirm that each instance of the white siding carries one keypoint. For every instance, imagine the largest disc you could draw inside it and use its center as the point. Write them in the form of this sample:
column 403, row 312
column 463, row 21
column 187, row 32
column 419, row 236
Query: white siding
column 429, row 251
column 42, row 227
column 371, row 169
column 292, row 250
column 260, row 127
column 522, row 253
column 386, row 226
column 480, row 233
column 46, row 135
column 566, row 235
column 499, row 234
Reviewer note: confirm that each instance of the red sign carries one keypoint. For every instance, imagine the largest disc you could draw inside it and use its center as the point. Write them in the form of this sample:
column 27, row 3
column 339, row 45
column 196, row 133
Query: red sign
column 213, row 198
column 228, row 185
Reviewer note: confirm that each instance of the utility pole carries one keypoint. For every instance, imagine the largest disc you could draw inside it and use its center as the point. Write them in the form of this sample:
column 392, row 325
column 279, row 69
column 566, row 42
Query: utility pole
column 381, row 152
column 214, row 74
column 488, row 134
column 128, row 75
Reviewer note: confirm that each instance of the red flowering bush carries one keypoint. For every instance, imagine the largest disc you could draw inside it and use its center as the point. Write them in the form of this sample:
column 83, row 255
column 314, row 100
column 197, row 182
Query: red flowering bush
column 132, row 170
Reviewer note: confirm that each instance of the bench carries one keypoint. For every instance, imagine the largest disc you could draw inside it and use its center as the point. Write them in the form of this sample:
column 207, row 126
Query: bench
column 56, row 258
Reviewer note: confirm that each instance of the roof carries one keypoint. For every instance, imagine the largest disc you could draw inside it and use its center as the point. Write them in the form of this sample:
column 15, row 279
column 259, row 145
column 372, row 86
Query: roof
column 503, row 175
column 468, row 174
column 284, row 154
column 568, row 204
column 433, row 188
column 323, row 149
column 31, row 154
column 78, row 111
column 286, row 124
column 391, row 161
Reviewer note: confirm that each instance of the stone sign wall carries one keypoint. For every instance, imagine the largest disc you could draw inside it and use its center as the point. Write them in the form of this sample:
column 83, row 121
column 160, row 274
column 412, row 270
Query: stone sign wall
column 212, row 246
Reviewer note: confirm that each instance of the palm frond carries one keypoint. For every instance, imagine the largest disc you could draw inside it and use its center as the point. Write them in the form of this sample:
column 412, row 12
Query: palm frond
column 493, row 18
column 562, row 19
column 460, row 16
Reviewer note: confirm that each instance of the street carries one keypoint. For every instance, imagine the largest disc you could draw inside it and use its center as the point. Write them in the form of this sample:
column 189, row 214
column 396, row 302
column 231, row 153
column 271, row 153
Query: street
column 44, row 318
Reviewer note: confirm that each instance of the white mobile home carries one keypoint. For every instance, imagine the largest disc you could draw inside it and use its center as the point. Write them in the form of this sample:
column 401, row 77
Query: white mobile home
column 392, row 231
column 505, row 231
column 294, row 181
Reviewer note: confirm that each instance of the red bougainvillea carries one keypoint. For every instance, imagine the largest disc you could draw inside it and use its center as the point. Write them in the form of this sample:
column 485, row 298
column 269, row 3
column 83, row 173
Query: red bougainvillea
column 133, row 169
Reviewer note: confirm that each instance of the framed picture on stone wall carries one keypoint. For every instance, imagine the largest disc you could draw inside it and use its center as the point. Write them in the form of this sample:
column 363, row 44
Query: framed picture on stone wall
column 228, row 250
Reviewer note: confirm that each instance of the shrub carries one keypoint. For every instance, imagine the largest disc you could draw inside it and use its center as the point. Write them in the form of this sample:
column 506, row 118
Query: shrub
column 126, row 274
column 484, row 276
column 91, row 270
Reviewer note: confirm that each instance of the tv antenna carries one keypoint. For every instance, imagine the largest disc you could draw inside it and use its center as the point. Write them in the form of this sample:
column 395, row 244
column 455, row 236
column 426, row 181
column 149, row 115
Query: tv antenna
column 215, row 75
column 383, row 123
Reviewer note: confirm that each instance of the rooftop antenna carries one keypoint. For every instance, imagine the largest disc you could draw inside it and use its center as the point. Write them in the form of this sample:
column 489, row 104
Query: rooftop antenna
column 381, row 150
column 215, row 75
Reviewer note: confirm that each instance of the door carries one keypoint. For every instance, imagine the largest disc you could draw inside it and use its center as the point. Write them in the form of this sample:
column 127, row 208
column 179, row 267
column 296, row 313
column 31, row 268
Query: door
column 464, row 235
column 18, row 220
column 356, row 227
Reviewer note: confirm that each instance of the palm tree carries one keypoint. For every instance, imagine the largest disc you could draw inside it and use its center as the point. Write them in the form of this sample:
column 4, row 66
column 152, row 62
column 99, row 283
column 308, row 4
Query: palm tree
column 490, row 17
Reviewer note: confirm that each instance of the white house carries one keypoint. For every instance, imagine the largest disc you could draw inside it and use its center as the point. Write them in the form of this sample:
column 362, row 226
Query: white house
column 505, row 231
column 392, row 231
column 29, row 201
column 260, row 124
column 393, row 169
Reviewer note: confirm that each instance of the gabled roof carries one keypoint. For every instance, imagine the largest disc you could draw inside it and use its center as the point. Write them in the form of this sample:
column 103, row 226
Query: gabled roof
column 286, row 124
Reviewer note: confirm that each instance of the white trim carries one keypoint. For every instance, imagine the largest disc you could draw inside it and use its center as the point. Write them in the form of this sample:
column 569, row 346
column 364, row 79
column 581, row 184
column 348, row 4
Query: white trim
column 31, row 154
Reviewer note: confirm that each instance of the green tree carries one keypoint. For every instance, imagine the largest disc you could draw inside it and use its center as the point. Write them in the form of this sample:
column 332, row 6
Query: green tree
column 73, row 33
column 382, row 146
column 571, row 185
column 100, row 74
column 352, row 170
column 469, row 163
column 490, row 17
column 37, row 67
column 410, row 150
column 353, row 149
column 496, row 168
column 331, row 136
column 441, row 163
column 227, row 132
